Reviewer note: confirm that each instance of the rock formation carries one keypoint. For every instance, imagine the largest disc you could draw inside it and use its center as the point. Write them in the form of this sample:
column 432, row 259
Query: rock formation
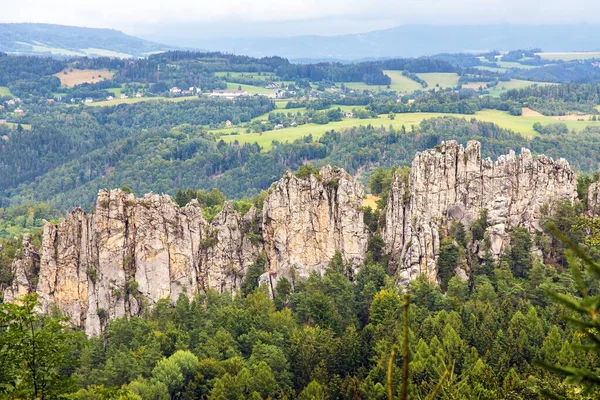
column 132, row 252
column 307, row 219
column 452, row 183
column 593, row 200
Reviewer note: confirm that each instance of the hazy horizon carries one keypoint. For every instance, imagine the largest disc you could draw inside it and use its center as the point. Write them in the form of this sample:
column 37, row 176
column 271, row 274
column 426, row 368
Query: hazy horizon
column 235, row 18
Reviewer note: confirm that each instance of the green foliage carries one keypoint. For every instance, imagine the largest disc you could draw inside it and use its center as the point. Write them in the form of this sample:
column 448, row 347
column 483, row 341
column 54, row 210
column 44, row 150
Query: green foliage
column 307, row 170
column 447, row 262
column 583, row 316
column 480, row 225
column 255, row 270
column 35, row 352
column 520, row 252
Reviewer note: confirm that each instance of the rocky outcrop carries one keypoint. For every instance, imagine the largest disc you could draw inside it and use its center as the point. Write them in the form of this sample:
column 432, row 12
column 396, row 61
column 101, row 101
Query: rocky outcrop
column 306, row 220
column 24, row 269
column 132, row 252
column 593, row 200
column 453, row 183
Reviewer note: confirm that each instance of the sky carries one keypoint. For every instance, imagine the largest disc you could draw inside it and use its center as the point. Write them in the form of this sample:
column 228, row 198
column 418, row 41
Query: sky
column 289, row 17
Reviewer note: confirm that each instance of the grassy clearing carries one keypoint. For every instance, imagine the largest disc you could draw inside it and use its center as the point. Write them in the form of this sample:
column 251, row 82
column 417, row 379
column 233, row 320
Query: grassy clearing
column 14, row 125
column 38, row 47
column 514, row 84
column 249, row 88
column 493, row 69
column 508, row 64
column 474, row 85
column 569, row 55
column 519, row 124
column 401, row 83
column 115, row 91
column 78, row 76
column 115, row 102
column 4, row 91
column 92, row 51
column 362, row 86
column 443, row 79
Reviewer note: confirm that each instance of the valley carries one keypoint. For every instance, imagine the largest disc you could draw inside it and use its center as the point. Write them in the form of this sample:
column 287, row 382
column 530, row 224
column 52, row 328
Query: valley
column 186, row 224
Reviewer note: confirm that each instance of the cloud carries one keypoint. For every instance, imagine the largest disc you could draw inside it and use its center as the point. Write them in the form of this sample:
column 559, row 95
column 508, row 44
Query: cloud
column 132, row 15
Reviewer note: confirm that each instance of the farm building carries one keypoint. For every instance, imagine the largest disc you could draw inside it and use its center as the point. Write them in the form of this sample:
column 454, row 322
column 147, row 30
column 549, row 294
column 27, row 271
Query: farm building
column 3, row 122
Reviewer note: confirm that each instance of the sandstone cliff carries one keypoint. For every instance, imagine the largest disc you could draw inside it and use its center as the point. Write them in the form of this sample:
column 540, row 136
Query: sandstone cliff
column 132, row 252
column 453, row 183
column 593, row 200
column 307, row 219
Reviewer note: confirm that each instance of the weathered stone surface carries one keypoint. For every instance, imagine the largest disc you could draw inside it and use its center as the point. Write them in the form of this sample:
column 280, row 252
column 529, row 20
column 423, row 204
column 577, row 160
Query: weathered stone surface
column 306, row 220
column 452, row 182
column 24, row 271
column 132, row 252
column 593, row 200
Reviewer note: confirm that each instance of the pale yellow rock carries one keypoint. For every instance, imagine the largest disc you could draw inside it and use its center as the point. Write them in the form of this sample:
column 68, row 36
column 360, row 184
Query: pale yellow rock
column 306, row 220
column 453, row 183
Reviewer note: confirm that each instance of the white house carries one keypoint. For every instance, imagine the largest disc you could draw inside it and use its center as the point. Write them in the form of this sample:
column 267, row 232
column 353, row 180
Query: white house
column 88, row 100
column 138, row 95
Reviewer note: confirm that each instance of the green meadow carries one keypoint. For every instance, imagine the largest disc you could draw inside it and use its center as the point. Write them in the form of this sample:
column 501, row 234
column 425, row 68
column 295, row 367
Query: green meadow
column 443, row 79
column 519, row 124
column 133, row 100
column 514, row 84
column 569, row 55
column 4, row 91
column 249, row 88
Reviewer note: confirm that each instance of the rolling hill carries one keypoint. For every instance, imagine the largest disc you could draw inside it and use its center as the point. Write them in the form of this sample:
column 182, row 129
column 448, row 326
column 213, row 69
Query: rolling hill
column 403, row 41
column 60, row 40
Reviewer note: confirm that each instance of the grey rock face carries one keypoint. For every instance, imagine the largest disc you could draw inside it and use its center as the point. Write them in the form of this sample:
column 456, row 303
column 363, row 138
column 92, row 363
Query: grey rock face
column 453, row 183
column 593, row 200
column 133, row 252
column 306, row 220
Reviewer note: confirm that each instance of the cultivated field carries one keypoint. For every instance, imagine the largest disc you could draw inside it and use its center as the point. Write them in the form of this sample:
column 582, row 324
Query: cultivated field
column 79, row 76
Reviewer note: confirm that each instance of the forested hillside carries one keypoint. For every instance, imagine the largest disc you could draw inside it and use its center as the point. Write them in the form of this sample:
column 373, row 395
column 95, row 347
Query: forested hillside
column 48, row 39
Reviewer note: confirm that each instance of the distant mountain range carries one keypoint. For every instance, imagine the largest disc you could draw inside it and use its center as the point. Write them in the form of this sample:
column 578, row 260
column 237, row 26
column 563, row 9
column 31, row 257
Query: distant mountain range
column 407, row 41
column 401, row 41
column 60, row 40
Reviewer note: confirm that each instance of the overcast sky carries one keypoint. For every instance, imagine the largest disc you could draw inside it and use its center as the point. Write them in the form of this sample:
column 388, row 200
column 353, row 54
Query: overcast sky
column 292, row 17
